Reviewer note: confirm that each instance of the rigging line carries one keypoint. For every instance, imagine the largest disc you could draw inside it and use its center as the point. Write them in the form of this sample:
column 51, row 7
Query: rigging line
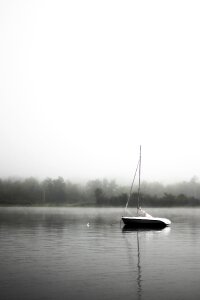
column 132, row 185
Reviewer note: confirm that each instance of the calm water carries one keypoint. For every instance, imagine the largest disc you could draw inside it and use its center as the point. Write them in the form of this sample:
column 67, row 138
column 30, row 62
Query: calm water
column 51, row 253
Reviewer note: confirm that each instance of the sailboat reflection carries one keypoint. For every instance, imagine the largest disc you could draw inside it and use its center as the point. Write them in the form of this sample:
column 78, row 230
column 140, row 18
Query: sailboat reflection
column 136, row 233
column 149, row 228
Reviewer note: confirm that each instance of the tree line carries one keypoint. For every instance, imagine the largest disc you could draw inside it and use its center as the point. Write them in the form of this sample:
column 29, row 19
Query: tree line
column 58, row 192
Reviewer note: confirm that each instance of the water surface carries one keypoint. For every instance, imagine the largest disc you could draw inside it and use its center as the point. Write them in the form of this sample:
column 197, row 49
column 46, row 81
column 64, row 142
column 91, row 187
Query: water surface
column 53, row 253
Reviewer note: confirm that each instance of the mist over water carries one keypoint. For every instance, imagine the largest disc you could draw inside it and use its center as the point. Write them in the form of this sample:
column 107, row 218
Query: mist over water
column 84, row 253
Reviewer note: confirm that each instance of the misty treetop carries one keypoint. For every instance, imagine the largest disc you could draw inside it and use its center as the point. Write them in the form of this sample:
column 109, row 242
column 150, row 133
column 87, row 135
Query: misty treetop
column 58, row 192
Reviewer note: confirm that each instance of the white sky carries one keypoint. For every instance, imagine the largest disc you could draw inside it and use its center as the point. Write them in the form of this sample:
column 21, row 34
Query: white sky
column 84, row 83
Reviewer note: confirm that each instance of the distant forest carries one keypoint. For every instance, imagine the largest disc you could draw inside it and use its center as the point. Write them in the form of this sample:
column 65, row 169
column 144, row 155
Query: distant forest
column 58, row 192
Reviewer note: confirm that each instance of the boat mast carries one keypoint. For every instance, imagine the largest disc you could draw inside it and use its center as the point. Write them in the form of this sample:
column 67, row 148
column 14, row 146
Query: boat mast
column 138, row 202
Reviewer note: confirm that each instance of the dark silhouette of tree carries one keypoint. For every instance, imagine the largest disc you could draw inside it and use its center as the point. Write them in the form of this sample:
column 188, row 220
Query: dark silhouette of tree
column 96, row 192
column 99, row 196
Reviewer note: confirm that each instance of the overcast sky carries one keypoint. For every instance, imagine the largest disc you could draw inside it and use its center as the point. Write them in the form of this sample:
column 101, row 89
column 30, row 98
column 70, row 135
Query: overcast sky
column 84, row 83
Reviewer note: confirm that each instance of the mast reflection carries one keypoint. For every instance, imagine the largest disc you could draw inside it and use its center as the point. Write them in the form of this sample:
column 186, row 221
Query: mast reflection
column 139, row 275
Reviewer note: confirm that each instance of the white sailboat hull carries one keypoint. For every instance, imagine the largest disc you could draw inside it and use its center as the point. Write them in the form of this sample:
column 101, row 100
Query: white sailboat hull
column 145, row 222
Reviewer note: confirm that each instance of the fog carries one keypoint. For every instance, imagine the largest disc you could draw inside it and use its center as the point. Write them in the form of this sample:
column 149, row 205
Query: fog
column 84, row 83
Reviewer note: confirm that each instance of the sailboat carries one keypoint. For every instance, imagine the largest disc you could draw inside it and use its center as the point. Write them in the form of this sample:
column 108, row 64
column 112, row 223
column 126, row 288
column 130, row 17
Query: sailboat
column 142, row 219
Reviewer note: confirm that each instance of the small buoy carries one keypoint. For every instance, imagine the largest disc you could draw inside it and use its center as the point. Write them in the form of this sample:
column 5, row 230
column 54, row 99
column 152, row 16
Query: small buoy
column 88, row 224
